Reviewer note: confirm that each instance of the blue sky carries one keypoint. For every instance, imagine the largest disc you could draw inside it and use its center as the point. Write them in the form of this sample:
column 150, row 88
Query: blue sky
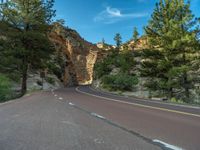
column 97, row 19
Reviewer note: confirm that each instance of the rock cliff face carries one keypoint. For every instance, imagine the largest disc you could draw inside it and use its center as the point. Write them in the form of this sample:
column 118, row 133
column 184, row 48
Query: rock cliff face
column 80, row 55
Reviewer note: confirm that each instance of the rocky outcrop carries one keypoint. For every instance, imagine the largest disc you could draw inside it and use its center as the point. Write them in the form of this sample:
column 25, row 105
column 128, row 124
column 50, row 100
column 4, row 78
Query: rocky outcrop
column 140, row 44
column 80, row 55
column 105, row 46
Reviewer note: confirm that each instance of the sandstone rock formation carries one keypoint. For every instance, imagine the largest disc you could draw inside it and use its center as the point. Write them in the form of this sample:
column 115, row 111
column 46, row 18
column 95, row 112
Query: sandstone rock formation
column 105, row 46
column 142, row 43
column 80, row 55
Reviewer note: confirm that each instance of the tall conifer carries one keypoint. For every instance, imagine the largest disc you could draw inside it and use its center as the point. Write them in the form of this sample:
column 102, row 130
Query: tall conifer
column 24, row 26
column 172, row 33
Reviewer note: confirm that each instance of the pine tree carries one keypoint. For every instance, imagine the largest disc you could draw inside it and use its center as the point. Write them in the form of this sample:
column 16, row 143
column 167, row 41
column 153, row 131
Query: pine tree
column 172, row 32
column 25, row 27
column 103, row 42
column 135, row 34
column 118, row 40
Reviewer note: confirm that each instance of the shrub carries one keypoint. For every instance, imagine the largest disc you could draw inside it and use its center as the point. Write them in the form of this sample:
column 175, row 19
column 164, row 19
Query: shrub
column 124, row 61
column 5, row 88
column 39, row 82
column 50, row 80
column 14, row 76
column 175, row 100
column 121, row 82
column 103, row 68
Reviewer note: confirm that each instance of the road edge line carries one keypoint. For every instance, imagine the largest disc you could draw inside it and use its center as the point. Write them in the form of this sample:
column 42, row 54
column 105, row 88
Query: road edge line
column 145, row 100
column 140, row 105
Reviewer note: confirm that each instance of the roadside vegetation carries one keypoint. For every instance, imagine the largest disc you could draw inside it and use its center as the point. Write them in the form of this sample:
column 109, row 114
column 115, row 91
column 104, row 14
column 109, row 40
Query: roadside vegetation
column 24, row 42
column 170, row 67
column 5, row 88
column 116, row 72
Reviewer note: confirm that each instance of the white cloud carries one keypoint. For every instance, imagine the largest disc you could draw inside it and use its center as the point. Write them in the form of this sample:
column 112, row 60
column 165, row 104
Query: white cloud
column 113, row 12
column 112, row 15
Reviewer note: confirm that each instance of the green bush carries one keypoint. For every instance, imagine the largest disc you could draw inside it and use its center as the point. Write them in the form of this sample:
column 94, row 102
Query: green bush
column 14, row 76
column 103, row 68
column 175, row 100
column 50, row 80
column 39, row 82
column 55, row 68
column 124, row 61
column 121, row 82
column 5, row 88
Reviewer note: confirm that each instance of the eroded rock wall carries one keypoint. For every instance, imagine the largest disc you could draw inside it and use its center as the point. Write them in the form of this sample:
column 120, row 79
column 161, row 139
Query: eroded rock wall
column 80, row 55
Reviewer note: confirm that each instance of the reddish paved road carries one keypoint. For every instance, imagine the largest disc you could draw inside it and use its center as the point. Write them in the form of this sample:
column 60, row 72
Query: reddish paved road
column 67, row 119
column 181, row 128
column 45, row 122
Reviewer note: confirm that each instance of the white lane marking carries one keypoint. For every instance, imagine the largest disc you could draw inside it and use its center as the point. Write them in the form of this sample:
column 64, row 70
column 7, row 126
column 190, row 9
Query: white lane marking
column 69, row 123
column 179, row 105
column 71, row 104
column 98, row 141
column 17, row 115
column 60, row 98
column 55, row 95
column 140, row 105
column 167, row 145
column 97, row 115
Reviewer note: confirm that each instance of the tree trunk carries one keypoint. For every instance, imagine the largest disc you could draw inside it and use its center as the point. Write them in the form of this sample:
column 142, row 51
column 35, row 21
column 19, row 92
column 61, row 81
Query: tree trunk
column 24, row 78
column 185, row 82
column 170, row 93
column 25, row 65
column 170, row 88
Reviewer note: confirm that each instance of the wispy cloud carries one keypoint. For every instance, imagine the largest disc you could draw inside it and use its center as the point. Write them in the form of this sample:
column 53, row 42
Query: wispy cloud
column 112, row 15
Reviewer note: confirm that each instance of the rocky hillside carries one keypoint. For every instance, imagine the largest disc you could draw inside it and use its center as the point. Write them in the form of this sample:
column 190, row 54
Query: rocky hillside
column 105, row 46
column 80, row 55
column 141, row 43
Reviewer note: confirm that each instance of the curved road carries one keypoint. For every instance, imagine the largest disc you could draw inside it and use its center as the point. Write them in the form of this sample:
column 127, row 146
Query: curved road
column 85, row 119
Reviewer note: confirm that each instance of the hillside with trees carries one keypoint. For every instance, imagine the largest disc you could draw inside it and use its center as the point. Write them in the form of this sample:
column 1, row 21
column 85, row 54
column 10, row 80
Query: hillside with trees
column 163, row 63
column 39, row 52
column 169, row 67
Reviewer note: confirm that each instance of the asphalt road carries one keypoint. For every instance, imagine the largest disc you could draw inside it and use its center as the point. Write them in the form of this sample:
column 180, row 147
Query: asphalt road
column 85, row 119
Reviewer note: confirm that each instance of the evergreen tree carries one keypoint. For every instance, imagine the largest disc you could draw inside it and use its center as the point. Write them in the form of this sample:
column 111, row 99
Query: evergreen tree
column 5, row 88
column 103, row 42
column 173, row 39
column 118, row 40
column 135, row 34
column 24, row 28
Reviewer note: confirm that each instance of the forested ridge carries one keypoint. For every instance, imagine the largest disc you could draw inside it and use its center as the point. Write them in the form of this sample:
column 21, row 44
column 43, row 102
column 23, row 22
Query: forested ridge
column 170, row 67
